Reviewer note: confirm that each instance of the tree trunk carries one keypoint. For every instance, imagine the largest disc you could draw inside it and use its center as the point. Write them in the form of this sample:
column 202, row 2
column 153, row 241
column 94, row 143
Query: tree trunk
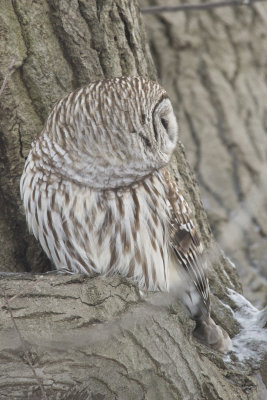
column 213, row 65
column 101, row 339
column 71, row 337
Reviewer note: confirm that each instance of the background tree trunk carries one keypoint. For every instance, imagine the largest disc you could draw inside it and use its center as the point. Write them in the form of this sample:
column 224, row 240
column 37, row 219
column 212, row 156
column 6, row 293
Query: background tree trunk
column 213, row 65
column 70, row 337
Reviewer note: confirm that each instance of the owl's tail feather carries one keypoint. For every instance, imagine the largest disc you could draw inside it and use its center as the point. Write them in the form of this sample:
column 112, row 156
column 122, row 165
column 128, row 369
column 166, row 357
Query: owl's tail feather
column 207, row 332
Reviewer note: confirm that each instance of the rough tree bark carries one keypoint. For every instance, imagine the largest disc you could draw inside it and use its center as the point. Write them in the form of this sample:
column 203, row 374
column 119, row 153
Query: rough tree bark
column 70, row 337
column 213, row 65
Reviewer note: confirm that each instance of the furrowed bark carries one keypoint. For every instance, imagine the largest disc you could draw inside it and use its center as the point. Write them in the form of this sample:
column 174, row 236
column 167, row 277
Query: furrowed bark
column 212, row 64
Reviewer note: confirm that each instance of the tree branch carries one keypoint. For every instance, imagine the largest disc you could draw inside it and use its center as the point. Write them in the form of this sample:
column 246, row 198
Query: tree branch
column 28, row 287
column 24, row 346
column 201, row 6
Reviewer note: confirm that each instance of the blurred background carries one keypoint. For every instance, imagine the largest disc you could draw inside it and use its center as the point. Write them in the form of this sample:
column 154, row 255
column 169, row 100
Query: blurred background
column 213, row 64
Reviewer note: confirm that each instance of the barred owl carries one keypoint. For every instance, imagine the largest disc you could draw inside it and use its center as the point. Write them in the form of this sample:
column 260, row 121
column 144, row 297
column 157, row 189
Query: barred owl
column 99, row 197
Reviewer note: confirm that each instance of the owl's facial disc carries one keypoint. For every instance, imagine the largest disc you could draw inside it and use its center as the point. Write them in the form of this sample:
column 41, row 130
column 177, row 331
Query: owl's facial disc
column 154, row 134
column 165, row 126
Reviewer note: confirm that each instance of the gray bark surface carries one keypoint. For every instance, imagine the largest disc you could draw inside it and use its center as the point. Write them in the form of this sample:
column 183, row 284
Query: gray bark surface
column 70, row 337
column 102, row 339
column 213, row 65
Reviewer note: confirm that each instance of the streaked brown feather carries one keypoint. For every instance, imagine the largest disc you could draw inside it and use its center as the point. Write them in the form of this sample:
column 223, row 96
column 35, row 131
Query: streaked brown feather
column 185, row 240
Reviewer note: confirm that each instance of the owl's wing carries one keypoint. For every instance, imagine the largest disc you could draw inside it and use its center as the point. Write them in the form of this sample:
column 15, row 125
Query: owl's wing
column 185, row 240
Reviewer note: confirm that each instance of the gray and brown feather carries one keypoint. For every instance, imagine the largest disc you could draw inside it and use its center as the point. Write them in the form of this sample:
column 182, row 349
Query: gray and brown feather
column 97, row 191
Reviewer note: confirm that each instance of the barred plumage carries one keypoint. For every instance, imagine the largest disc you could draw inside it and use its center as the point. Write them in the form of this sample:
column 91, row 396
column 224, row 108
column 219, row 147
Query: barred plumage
column 99, row 197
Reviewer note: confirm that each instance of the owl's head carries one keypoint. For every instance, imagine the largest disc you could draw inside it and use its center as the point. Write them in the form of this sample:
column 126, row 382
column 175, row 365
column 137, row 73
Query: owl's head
column 112, row 133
